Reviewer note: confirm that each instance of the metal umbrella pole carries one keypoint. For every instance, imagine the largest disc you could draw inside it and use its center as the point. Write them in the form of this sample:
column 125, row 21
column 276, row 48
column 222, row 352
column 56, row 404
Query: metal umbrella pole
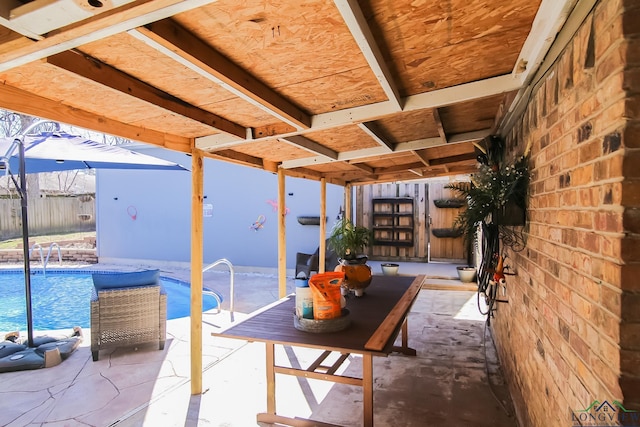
column 25, row 242
column 25, row 227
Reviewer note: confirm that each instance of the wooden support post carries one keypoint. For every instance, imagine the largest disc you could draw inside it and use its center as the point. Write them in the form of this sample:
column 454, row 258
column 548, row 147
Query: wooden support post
column 367, row 388
column 323, row 225
column 282, row 234
column 348, row 202
column 197, row 251
column 271, row 378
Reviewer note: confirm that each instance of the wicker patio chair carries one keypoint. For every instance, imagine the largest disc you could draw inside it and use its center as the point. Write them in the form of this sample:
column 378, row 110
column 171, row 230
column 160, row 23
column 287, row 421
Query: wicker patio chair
column 128, row 316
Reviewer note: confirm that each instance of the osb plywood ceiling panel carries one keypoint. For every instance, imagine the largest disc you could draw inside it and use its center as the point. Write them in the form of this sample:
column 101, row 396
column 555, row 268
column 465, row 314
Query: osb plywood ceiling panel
column 144, row 63
column 271, row 150
column 432, row 45
column 302, row 49
column 410, row 126
column 344, row 139
column 353, row 91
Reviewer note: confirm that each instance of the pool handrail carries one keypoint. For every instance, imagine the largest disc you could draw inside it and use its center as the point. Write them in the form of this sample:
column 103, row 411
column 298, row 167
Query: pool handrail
column 37, row 246
column 231, row 284
column 51, row 246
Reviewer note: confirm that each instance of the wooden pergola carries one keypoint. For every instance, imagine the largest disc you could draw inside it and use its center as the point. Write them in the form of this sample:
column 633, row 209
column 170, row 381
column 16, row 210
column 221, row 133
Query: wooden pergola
column 345, row 92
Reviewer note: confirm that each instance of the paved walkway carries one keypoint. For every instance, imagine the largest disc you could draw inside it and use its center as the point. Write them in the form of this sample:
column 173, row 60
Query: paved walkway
column 446, row 384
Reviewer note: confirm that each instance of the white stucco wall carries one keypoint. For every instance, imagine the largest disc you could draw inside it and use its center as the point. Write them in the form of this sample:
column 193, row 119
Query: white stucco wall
column 161, row 204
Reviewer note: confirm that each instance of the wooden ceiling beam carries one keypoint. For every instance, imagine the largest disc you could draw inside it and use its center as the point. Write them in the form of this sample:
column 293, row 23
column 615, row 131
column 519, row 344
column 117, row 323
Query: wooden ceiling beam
column 453, row 159
column 441, row 132
column 371, row 129
column 23, row 102
column 99, row 27
column 362, row 167
column 422, row 156
column 171, row 39
column 367, row 113
column 103, row 74
column 398, row 168
column 311, row 146
column 357, row 24
column 415, row 145
column 236, row 157
column 408, row 176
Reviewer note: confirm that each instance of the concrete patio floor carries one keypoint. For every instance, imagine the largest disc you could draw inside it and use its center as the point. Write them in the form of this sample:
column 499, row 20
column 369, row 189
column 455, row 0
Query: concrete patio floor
column 455, row 380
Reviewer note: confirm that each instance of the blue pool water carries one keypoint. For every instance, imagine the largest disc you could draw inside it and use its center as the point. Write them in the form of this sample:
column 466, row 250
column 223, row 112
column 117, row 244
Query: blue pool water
column 61, row 300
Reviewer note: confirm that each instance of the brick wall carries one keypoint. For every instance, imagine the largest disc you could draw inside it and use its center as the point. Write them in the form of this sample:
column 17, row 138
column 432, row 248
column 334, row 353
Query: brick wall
column 69, row 255
column 571, row 331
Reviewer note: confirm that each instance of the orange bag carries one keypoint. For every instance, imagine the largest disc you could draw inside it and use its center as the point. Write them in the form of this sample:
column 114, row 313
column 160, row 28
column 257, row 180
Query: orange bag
column 325, row 288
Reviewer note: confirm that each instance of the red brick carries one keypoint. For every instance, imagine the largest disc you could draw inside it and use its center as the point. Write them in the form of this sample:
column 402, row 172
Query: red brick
column 612, row 221
column 606, row 375
column 614, row 165
column 608, row 31
column 631, row 135
column 610, row 246
column 630, row 336
column 631, row 162
column 628, row 193
column 632, row 107
column 631, row 48
column 584, row 219
column 582, row 175
column 631, row 389
column 590, row 151
column 590, row 242
column 629, row 274
column 630, row 362
column 613, row 61
column 610, row 299
column 611, row 353
column 580, row 347
column 631, row 220
column 630, row 21
column 630, row 247
column 630, row 304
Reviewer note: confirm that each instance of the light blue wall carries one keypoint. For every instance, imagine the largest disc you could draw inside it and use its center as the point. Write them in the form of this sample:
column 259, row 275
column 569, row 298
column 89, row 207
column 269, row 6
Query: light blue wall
column 161, row 203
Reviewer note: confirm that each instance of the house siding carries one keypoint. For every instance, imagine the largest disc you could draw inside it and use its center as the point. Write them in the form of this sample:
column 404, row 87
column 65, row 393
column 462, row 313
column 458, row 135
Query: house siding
column 146, row 214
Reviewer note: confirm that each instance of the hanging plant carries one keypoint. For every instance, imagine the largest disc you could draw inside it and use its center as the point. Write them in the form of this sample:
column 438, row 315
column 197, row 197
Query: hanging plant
column 491, row 189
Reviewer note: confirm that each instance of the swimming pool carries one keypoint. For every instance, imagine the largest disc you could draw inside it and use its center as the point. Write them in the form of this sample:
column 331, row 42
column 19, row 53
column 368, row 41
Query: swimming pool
column 61, row 299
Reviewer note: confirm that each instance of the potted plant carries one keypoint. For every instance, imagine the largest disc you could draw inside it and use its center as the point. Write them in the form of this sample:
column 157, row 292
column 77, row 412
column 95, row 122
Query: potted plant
column 349, row 242
column 496, row 194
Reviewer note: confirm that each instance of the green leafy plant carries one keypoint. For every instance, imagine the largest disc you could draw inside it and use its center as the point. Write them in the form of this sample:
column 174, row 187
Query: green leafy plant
column 489, row 191
column 349, row 240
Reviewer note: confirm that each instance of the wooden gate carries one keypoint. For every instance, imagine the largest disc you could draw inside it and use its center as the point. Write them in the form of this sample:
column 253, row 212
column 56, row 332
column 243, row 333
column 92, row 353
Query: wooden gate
column 402, row 217
column 444, row 207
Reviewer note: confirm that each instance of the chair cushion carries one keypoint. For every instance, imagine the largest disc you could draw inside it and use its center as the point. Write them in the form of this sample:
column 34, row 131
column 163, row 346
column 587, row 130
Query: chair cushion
column 124, row 280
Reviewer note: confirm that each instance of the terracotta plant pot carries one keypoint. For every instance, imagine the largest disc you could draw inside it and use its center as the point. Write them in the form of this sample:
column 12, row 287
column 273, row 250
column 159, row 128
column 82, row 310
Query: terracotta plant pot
column 357, row 275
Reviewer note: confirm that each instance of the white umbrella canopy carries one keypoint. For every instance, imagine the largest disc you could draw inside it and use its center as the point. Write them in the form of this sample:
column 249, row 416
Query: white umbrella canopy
column 59, row 151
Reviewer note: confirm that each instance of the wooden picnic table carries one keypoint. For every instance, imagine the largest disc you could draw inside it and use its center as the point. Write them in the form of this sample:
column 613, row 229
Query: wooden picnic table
column 376, row 320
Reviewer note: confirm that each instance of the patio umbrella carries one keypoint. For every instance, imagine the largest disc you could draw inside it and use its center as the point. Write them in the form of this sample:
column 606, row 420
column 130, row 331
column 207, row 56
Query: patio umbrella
column 58, row 151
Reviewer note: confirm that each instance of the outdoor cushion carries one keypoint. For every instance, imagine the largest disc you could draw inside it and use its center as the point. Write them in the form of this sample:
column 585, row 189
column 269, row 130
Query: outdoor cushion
column 7, row 348
column 124, row 280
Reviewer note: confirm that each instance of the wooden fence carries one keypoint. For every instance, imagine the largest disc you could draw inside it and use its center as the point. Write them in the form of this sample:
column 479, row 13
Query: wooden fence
column 48, row 215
